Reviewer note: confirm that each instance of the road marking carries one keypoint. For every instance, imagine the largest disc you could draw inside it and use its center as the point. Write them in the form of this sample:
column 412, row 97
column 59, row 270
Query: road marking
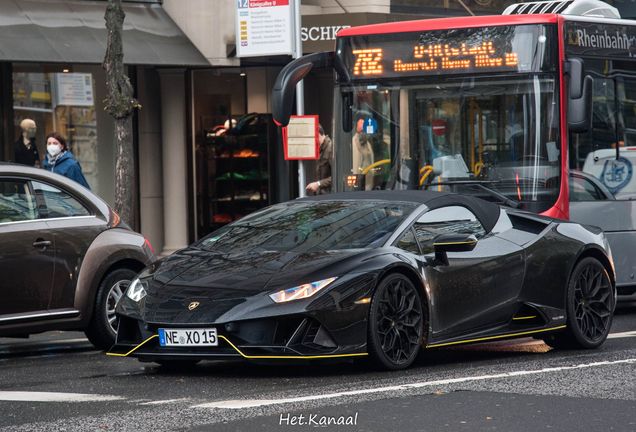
column 54, row 397
column 621, row 335
column 162, row 402
column 238, row 404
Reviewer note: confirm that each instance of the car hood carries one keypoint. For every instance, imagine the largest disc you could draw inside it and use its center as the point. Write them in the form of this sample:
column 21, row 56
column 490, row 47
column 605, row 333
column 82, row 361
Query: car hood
column 198, row 287
column 227, row 276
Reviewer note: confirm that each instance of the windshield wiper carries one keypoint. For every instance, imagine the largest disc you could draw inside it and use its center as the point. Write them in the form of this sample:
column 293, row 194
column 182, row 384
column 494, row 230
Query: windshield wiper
column 482, row 184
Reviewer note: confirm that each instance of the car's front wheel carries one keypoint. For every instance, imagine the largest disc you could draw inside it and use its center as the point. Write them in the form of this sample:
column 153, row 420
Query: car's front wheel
column 103, row 326
column 590, row 307
column 396, row 323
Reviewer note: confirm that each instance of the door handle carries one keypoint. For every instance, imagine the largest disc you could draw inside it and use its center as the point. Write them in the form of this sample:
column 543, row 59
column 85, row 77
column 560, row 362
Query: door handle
column 42, row 243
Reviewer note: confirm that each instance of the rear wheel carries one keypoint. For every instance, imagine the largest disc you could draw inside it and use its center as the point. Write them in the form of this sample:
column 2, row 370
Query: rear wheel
column 590, row 307
column 396, row 323
column 103, row 326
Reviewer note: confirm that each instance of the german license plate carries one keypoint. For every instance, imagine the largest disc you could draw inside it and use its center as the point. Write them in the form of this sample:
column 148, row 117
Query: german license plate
column 188, row 337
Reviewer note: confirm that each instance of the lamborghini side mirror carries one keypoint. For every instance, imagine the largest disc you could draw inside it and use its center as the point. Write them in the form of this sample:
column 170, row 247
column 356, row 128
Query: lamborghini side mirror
column 453, row 243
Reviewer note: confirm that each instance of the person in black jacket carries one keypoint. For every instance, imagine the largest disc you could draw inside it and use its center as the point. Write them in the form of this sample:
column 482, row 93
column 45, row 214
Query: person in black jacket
column 25, row 149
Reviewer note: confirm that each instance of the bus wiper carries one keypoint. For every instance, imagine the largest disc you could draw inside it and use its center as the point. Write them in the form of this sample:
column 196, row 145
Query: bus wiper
column 481, row 184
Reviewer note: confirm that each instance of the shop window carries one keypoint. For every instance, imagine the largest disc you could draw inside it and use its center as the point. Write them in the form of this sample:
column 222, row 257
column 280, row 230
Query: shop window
column 67, row 99
column 231, row 156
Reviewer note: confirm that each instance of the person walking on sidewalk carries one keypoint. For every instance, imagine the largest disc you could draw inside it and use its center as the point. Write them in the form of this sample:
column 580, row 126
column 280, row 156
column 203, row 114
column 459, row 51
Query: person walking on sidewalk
column 60, row 160
column 323, row 168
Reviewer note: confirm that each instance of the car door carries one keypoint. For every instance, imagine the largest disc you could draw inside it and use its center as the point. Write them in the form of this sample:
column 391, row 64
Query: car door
column 474, row 290
column 27, row 253
column 74, row 228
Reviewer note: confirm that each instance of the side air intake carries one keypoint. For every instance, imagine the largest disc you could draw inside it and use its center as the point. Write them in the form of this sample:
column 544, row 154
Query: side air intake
column 586, row 8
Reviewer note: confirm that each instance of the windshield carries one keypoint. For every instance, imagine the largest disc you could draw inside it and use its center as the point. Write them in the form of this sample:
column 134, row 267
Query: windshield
column 441, row 109
column 309, row 227
column 502, row 132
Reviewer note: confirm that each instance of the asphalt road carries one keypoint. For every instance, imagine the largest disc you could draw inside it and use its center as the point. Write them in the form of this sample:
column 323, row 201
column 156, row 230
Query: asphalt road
column 57, row 382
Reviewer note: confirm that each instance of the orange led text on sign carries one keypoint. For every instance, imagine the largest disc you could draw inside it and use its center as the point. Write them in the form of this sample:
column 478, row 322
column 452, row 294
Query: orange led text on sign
column 481, row 55
column 367, row 61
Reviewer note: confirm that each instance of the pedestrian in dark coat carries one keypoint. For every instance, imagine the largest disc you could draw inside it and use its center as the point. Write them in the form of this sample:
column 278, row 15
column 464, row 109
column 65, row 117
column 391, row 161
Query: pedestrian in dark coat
column 59, row 159
column 323, row 168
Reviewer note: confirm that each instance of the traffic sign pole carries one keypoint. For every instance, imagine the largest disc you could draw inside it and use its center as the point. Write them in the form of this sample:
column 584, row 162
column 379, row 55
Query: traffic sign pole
column 300, row 91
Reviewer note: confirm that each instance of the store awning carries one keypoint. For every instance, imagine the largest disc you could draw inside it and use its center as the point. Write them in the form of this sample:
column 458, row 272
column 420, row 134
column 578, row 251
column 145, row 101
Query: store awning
column 68, row 31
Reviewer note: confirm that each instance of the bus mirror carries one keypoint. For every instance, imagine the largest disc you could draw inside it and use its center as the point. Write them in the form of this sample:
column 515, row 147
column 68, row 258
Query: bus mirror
column 580, row 110
column 285, row 86
column 580, row 100
column 347, row 111
column 577, row 75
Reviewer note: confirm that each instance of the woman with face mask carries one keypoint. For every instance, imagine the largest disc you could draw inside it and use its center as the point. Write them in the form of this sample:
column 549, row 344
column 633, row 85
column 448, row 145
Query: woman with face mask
column 59, row 159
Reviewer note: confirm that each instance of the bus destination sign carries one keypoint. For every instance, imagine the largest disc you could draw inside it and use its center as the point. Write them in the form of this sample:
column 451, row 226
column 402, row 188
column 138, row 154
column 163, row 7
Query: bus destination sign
column 600, row 40
column 494, row 49
column 434, row 57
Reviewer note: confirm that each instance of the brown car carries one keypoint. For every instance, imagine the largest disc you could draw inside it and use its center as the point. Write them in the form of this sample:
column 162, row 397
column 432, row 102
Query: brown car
column 65, row 257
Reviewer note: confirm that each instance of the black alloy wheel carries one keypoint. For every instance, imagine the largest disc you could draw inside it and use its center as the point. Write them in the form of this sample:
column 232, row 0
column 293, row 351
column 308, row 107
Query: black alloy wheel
column 102, row 329
column 396, row 323
column 590, row 307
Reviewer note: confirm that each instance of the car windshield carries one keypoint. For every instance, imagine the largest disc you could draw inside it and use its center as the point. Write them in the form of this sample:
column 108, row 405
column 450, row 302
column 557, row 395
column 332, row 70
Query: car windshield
column 309, row 227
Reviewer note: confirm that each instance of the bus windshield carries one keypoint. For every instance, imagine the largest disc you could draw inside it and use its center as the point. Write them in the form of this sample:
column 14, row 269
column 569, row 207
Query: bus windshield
column 455, row 134
column 493, row 134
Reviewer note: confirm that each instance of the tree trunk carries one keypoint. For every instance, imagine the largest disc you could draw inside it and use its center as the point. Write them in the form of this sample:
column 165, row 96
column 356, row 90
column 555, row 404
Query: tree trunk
column 125, row 171
column 120, row 104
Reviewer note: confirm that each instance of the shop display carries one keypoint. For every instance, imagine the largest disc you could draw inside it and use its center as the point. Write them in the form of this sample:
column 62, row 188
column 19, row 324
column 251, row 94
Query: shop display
column 233, row 171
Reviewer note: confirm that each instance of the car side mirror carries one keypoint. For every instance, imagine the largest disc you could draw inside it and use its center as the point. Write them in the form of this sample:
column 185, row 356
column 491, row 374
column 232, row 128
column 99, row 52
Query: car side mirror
column 580, row 98
column 453, row 243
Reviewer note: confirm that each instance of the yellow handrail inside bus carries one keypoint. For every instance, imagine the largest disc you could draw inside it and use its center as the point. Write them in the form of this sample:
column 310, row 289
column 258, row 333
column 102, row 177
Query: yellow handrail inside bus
column 373, row 165
column 474, row 105
column 428, row 169
column 478, row 167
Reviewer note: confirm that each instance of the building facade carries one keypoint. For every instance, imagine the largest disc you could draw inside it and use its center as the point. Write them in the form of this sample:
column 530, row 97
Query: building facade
column 206, row 149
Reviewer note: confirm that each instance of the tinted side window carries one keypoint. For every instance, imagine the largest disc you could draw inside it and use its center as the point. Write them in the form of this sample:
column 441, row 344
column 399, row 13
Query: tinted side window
column 446, row 220
column 17, row 202
column 59, row 203
column 408, row 242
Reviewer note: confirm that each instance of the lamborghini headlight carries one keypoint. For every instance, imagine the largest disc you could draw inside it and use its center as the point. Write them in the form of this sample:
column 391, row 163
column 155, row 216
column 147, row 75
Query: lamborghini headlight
column 137, row 290
column 300, row 292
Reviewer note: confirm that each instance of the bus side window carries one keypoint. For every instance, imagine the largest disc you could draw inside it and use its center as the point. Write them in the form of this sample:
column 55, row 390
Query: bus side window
column 627, row 102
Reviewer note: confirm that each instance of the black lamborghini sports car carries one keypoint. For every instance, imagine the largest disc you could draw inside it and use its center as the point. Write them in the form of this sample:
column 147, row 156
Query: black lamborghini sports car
column 382, row 274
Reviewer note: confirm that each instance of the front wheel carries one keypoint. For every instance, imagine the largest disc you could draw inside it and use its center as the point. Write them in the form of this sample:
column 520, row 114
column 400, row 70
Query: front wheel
column 102, row 329
column 396, row 323
column 590, row 308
